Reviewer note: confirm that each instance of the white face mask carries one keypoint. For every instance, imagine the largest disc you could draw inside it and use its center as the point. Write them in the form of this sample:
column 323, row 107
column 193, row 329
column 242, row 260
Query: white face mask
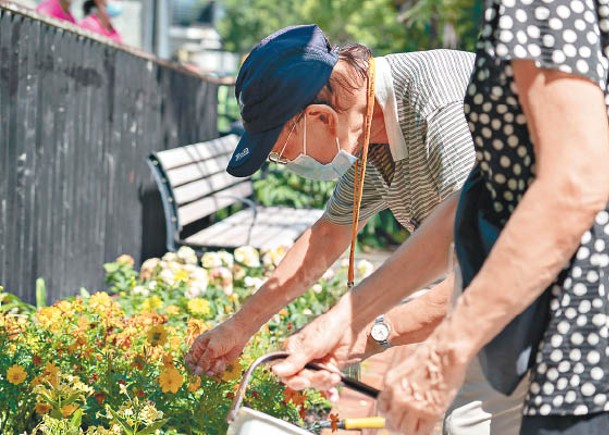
column 306, row 166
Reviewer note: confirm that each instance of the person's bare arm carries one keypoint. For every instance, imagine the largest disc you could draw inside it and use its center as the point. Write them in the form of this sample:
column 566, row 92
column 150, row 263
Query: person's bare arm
column 567, row 121
column 312, row 254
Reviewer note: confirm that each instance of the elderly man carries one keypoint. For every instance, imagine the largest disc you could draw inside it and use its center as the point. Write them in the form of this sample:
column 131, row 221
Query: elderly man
column 318, row 110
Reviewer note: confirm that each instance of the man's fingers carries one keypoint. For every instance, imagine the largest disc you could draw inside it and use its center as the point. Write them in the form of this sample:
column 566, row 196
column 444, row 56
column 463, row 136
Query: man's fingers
column 295, row 362
column 324, row 380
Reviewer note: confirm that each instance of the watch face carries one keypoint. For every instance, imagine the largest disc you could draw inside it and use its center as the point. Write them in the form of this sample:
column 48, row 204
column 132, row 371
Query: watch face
column 379, row 332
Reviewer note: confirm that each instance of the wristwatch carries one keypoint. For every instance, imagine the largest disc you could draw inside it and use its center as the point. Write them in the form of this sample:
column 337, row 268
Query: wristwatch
column 380, row 332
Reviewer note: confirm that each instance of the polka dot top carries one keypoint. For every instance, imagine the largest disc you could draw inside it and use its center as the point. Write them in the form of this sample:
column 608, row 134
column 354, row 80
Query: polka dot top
column 571, row 372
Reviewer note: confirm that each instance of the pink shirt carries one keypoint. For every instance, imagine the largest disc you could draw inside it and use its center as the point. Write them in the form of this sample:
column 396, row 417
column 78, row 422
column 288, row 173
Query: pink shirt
column 52, row 8
column 92, row 23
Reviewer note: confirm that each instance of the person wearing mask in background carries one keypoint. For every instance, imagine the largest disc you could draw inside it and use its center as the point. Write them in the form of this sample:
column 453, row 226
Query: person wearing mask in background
column 59, row 9
column 308, row 106
column 97, row 17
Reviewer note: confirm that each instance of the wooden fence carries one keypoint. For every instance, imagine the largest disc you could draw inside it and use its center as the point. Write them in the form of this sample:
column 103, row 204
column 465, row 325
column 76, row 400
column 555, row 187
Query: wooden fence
column 78, row 116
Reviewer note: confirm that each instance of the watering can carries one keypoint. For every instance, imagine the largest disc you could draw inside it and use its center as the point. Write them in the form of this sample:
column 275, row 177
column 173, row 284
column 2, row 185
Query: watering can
column 246, row 421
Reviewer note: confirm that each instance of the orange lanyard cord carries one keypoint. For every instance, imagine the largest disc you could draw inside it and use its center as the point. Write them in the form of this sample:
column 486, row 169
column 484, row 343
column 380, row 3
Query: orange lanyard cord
column 360, row 170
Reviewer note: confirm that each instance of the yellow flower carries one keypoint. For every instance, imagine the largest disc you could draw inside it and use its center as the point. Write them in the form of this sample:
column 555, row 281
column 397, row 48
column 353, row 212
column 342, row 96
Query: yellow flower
column 157, row 335
column 172, row 310
column 101, row 302
column 49, row 317
column 152, row 303
column 175, row 343
column 228, row 309
column 181, row 276
column 232, row 372
column 198, row 306
column 16, row 374
column 68, row 410
column 170, row 380
column 194, row 384
column 42, row 408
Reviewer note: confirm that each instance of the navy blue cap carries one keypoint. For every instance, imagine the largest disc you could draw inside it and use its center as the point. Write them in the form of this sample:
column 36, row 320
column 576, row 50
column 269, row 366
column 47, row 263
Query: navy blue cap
column 281, row 76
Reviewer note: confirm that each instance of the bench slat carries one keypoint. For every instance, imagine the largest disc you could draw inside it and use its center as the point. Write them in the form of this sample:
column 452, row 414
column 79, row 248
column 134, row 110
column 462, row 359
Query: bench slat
column 274, row 225
column 207, row 186
column 181, row 156
column 197, row 170
column 210, row 204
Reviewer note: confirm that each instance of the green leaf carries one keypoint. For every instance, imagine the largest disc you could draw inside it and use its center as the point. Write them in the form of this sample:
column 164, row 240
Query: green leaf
column 126, row 427
column 41, row 293
column 152, row 428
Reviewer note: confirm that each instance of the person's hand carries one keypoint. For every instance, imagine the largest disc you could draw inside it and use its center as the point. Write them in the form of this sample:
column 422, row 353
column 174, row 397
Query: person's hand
column 328, row 340
column 213, row 350
column 418, row 391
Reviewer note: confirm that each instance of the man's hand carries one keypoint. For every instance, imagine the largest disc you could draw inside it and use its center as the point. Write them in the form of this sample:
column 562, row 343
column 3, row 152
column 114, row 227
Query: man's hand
column 213, row 350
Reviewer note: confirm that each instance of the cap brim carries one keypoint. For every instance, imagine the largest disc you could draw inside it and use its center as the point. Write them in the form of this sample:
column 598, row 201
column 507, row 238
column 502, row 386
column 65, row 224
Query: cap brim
column 251, row 152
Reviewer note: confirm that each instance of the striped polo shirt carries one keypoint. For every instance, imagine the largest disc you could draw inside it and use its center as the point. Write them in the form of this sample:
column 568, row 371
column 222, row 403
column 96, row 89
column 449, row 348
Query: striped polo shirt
column 430, row 150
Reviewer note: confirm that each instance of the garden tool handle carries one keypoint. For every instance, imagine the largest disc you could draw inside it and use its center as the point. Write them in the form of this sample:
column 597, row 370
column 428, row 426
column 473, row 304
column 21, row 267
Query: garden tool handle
column 363, row 423
column 273, row 356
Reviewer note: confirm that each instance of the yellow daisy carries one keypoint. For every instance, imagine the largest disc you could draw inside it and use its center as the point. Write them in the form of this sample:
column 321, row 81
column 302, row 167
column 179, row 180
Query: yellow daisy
column 16, row 374
column 157, row 335
column 170, row 380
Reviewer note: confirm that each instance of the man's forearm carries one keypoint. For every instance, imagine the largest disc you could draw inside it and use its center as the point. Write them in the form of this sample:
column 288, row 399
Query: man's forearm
column 312, row 254
column 414, row 321
column 420, row 260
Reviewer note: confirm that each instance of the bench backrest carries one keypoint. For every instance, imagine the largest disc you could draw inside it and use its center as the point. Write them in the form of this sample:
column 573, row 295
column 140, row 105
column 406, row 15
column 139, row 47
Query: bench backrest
column 194, row 184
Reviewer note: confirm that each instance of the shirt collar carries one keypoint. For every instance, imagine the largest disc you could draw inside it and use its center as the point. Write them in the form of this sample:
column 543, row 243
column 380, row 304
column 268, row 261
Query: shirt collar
column 385, row 96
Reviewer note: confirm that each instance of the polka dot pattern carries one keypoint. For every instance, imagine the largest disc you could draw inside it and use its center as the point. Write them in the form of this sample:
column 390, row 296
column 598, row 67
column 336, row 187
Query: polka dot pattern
column 570, row 375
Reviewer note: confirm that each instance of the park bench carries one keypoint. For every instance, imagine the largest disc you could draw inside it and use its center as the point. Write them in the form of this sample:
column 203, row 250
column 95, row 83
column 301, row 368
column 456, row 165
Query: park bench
column 194, row 186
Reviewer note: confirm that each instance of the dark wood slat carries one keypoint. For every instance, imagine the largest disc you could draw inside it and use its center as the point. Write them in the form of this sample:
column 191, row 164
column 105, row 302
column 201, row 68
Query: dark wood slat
column 198, row 152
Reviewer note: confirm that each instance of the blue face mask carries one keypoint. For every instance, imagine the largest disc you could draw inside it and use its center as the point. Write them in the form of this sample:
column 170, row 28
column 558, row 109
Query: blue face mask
column 306, row 166
column 114, row 8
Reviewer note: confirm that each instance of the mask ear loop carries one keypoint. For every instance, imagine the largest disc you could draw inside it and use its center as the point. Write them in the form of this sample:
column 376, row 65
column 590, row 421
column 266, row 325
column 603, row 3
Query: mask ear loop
column 337, row 145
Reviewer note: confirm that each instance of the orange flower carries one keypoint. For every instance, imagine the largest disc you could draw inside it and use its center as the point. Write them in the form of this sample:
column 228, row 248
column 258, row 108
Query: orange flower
column 68, row 410
column 296, row 397
column 125, row 259
column 168, row 360
column 42, row 408
column 100, row 397
column 170, row 380
column 51, row 373
column 334, row 422
column 16, row 374
column 139, row 361
column 194, row 384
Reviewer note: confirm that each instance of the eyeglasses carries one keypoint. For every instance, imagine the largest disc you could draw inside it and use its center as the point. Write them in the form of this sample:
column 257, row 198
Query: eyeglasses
column 278, row 157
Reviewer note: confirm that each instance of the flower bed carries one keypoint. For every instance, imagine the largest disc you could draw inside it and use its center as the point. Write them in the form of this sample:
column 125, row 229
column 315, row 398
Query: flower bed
column 112, row 362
